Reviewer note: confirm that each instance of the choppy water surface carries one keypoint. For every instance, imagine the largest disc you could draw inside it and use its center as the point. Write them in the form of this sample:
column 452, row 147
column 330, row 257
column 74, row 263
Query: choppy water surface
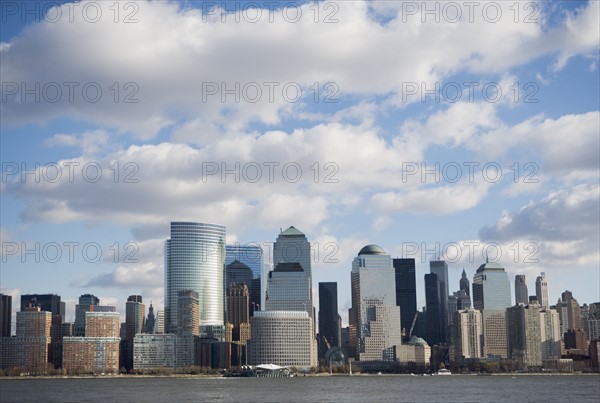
column 524, row 388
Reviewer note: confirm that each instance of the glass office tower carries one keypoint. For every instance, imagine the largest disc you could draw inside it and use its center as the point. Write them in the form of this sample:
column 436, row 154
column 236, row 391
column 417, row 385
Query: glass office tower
column 194, row 260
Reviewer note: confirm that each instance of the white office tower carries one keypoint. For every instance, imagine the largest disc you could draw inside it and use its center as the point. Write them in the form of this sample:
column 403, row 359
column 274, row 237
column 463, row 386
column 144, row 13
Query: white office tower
column 374, row 317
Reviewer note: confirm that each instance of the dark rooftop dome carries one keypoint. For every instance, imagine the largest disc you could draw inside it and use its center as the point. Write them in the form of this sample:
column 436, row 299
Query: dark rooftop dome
column 236, row 264
column 372, row 250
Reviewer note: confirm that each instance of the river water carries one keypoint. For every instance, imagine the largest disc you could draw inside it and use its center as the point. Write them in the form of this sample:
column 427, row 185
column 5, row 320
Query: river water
column 383, row 388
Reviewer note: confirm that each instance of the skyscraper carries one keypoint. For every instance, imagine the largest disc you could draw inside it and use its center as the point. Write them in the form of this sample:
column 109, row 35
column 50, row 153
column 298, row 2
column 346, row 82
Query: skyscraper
column 491, row 287
column 46, row 302
column 524, row 334
column 50, row 303
column 329, row 325
column 541, row 290
column 87, row 303
column 194, row 259
column 99, row 350
column 467, row 334
column 5, row 315
column 239, row 273
column 33, row 339
column 433, row 302
column 374, row 316
column 135, row 311
column 521, row 294
column 188, row 325
column 238, row 312
column 252, row 256
column 188, row 313
column 491, row 295
column 550, row 334
column 289, row 289
column 406, row 291
column 150, row 325
column 292, row 246
column 440, row 268
column 464, row 283
column 289, row 285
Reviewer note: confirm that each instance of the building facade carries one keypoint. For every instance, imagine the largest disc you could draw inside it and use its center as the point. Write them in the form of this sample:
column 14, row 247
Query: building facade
column 194, row 260
column 373, row 286
column 5, row 315
column 467, row 335
column 440, row 268
column 135, row 311
column 541, row 290
column 491, row 295
column 521, row 294
column 252, row 256
column 238, row 312
column 406, row 291
column 550, row 334
column 433, row 302
column 329, row 323
column 151, row 351
column 282, row 338
column 524, row 334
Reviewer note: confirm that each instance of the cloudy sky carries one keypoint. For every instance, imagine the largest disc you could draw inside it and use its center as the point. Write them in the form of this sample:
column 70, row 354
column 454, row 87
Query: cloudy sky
column 454, row 131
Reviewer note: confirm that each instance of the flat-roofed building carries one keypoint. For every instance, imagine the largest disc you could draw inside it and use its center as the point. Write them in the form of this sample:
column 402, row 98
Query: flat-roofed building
column 154, row 351
column 282, row 338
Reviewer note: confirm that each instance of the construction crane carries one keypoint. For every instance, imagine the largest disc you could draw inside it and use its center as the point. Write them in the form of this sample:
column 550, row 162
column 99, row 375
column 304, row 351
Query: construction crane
column 412, row 326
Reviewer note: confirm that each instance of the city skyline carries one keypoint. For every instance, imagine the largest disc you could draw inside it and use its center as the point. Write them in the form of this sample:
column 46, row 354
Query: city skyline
column 357, row 122
column 24, row 298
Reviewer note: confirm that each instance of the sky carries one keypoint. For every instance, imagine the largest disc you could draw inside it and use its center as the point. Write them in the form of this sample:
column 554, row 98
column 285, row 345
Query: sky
column 449, row 130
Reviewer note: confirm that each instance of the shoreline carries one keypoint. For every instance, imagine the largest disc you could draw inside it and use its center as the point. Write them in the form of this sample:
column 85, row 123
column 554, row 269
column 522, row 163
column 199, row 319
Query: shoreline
column 207, row 376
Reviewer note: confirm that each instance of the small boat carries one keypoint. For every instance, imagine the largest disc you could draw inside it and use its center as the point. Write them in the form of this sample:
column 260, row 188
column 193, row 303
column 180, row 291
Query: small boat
column 379, row 373
column 443, row 371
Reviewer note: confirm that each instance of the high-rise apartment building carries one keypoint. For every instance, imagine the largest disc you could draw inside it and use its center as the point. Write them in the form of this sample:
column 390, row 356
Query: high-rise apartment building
column 99, row 349
column 406, row 291
column 521, row 294
column 467, row 335
column 550, row 334
column 87, row 303
column 524, row 334
column 29, row 349
column 194, row 260
column 374, row 317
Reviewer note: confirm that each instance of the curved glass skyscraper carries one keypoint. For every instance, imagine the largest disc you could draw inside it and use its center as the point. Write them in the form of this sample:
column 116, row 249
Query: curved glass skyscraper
column 194, row 260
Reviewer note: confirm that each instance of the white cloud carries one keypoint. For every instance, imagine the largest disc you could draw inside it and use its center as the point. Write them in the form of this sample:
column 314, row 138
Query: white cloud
column 171, row 54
